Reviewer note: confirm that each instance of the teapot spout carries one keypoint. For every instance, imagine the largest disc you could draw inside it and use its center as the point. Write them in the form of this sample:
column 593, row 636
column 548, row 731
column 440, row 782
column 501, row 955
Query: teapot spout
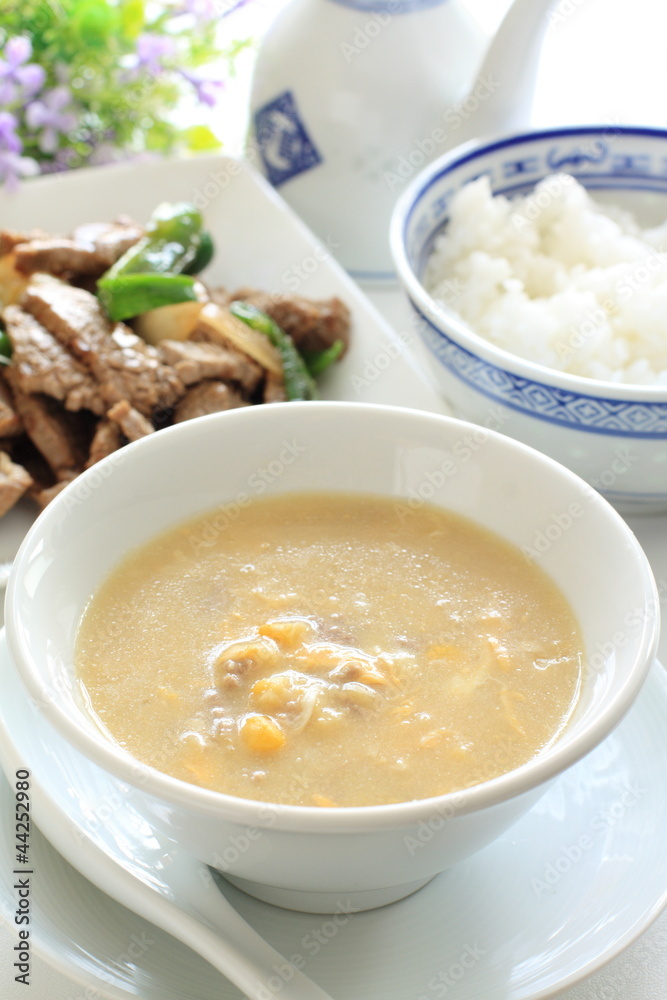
column 505, row 84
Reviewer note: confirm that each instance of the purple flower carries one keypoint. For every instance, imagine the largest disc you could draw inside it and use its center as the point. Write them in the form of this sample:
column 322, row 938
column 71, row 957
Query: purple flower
column 151, row 50
column 13, row 166
column 209, row 10
column 232, row 5
column 18, row 78
column 9, row 140
column 207, row 90
column 203, row 10
column 50, row 117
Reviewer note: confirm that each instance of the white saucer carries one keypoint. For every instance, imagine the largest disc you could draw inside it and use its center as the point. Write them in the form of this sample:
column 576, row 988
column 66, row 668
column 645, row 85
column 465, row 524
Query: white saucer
column 560, row 894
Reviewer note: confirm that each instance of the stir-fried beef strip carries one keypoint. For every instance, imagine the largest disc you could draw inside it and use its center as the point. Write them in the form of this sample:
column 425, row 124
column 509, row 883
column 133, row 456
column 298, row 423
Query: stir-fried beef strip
column 313, row 326
column 44, row 496
column 107, row 439
column 123, row 364
column 207, row 397
column 89, row 252
column 10, row 238
column 132, row 370
column 132, row 423
column 60, row 257
column 56, row 434
column 274, row 389
column 194, row 362
column 10, row 422
column 14, row 481
column 41, row 364
column 23, row 451
column 110, row 239
column 73, row 315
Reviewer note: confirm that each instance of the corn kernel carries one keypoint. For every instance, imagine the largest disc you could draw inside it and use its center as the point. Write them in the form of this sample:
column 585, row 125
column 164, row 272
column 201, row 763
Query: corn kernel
column 270, row 694
column 444, row 651
column 324, row 802
column 262, row 734
column 168, row 694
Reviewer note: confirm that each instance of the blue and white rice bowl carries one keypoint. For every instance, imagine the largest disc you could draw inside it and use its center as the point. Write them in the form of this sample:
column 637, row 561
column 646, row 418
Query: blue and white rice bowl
column 614, row 435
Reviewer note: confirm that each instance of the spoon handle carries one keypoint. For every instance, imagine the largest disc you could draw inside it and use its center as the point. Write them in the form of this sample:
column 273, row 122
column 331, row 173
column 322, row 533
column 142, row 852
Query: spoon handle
column 240, row 953
column 216, row 932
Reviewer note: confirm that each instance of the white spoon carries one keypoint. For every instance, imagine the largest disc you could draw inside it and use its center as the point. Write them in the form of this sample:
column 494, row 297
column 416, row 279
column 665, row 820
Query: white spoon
column 134, row 864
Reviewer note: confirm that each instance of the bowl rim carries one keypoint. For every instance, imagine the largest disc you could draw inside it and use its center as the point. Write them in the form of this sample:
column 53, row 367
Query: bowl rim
column 455, row 327
column 349, row 819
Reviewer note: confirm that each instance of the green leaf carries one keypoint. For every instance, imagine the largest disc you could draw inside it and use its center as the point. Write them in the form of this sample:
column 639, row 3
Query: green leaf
column 200, row 139
column 160, row 137
column 94, row 21
column 132, row 17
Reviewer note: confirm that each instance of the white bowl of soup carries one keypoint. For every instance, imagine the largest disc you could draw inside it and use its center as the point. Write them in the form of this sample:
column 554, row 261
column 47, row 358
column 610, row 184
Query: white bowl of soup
column 332, row 648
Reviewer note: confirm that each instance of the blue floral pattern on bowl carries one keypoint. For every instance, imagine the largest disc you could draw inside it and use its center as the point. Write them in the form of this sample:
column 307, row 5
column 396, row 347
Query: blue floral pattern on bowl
column 559, row 406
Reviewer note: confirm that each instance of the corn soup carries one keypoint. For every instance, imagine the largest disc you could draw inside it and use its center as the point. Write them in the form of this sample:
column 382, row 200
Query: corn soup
column 330, row 650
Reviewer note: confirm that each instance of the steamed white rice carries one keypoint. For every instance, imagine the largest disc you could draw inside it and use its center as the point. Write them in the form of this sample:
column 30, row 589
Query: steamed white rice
column 558, row 279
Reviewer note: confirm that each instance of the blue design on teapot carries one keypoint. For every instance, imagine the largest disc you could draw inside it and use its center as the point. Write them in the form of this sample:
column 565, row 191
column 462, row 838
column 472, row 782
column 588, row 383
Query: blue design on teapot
column 389, row 6
column 283, row 143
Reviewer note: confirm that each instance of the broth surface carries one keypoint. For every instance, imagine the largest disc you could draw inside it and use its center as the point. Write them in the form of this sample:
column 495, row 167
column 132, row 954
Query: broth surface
column 330, row 650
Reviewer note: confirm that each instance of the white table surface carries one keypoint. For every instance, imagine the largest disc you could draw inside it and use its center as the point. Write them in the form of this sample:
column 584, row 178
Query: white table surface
column 603, row 60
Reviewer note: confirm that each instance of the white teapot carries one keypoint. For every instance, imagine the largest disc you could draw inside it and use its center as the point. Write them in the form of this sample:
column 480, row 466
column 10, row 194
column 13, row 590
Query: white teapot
column 351, row 98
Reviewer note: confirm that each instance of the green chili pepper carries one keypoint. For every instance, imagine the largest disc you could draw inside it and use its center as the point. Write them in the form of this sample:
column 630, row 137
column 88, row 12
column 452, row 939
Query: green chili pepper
column 299, row 383
column 204, row 254
column 156, row 270
column 170, row 246
column 130, row 295
column 319, row 361
column 5, row 347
